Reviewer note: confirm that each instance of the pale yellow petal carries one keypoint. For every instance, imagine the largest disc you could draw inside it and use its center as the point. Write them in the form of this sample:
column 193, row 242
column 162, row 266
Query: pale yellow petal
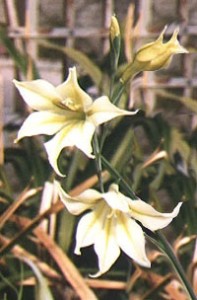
column 102, row 110
column 89, row 228
column 150, row 217
column 149, row 51
column 39, row 94
column 75, row 133
column 131, row 240
column 174, row 43
column 106, row 246
column 41, row 123
column 78, row 204
column 87, row 232
column 70, row 89
column 116, row 200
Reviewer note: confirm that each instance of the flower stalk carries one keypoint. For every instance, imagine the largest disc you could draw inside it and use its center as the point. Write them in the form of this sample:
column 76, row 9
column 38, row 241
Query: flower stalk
column 166, row 248
column 98, row 161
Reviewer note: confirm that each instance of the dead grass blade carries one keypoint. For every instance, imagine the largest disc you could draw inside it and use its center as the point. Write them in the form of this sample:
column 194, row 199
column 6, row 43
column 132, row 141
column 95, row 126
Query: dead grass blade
column 19, row 251
column 128, row 37
column 106, row 284
column 67, row 268
column 69, row 271
column 155, row 156
column 26, row 194
column 55, row 208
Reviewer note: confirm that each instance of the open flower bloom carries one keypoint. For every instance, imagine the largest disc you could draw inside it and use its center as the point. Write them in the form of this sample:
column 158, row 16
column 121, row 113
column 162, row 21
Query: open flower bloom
column 66, row 112
column 155, row 55
column 110, row 224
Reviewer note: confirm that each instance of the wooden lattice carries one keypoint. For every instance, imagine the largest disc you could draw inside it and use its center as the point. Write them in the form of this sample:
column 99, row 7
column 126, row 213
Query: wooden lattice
column 29, row 31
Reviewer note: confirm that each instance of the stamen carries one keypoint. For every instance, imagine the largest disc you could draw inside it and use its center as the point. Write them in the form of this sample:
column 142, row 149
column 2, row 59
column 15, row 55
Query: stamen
column 71, row 104
column 67, row 104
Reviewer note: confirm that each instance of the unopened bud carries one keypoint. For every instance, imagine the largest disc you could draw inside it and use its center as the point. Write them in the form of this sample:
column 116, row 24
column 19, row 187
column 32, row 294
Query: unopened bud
column 154, row 56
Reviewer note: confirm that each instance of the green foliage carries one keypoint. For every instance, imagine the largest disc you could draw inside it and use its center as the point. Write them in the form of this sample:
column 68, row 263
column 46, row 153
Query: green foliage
column 21, row 60
column 130, row 149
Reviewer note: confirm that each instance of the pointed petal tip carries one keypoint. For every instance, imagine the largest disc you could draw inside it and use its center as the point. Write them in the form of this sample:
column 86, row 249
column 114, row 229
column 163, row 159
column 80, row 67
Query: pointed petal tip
column 183, row 50
column 98, row 274
column 160, row 38
column 73, row 74
column 16, row 141
column 77, row 251
column 72, row 69
column 176, row 32
column 146, row 263
column 177, row 209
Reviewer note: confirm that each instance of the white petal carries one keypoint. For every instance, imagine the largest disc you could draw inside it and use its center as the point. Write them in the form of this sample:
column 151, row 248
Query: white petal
column 78, row 204
column 89, row 228
column 41, row 123
column 106, row 246
column 151, row 218
column 38, row 94
column 75, row 133
column 116, row 200
column 131, row 239
column 102, row 110
column 71, row 89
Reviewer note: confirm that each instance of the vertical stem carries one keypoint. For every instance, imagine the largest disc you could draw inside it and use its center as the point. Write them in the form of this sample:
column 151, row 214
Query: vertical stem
column 167, row 249
column 117, row 93
column 97, row 154
column 116, row 175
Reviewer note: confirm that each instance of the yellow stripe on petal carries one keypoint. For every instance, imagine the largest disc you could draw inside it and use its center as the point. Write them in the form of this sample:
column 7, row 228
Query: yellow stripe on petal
column 131, row 239
column 106, row 246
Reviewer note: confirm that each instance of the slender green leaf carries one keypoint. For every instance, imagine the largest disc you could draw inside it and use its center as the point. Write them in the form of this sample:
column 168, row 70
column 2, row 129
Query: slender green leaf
column 83, row 60
column 190, row 103
column 20, row 59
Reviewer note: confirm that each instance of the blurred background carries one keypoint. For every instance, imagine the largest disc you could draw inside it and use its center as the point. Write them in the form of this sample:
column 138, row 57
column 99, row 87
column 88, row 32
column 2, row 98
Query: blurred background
column 156, row 152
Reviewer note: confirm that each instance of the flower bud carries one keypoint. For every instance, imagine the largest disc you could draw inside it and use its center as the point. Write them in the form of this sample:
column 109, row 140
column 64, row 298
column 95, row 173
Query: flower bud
column 114, row 29
column 154, row 56
column 115, row 43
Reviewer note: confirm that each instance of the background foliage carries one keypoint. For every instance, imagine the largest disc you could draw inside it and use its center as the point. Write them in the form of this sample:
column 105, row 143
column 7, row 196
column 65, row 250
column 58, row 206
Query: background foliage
column 155, row 152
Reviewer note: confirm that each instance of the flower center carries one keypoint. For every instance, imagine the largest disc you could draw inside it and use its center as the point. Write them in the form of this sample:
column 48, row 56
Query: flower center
column 71, row 104
column 113, row 213
column 68, row 104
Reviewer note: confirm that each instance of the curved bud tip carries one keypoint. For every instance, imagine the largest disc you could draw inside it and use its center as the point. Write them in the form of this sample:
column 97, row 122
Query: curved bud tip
column 114, row 28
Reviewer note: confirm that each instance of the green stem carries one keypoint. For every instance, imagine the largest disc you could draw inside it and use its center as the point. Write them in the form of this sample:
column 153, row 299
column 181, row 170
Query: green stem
column 97, row 154
column 116, row 175
column 117, row 93
column 167, row 250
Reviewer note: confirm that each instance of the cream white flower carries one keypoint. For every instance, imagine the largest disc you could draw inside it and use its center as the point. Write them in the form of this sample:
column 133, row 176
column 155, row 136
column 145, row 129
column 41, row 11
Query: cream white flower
column 66, row 112
column 110, row 224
